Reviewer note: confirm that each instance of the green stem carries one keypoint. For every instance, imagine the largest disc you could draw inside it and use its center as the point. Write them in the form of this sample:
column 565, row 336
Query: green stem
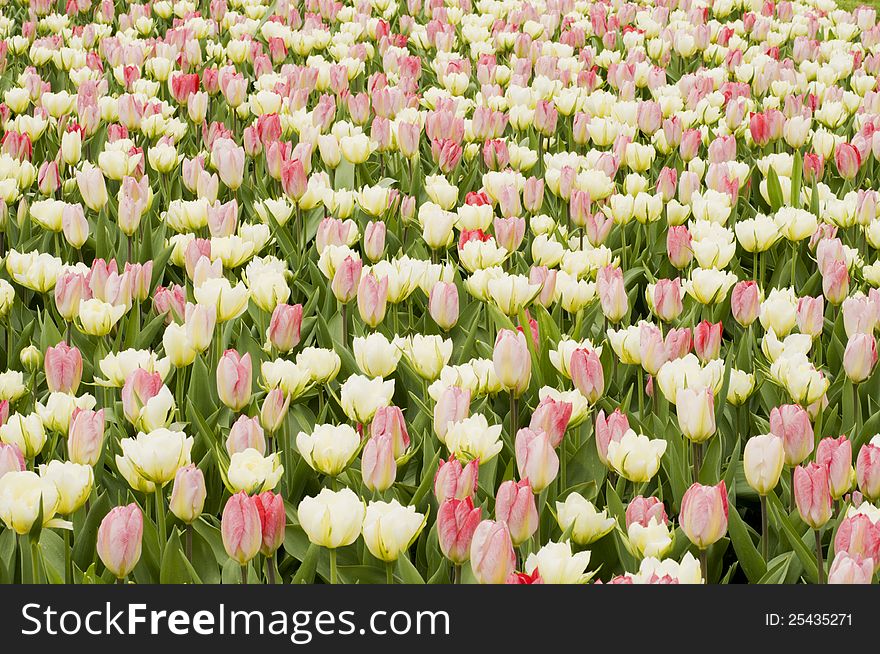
column 389, row 572
column 160, row 519
column 704, row 565
column 456, row 574
column 820, row 564
column 333, row 576
column 244, row 575
column 68, row 570
column 698, row 461
column 765, row 530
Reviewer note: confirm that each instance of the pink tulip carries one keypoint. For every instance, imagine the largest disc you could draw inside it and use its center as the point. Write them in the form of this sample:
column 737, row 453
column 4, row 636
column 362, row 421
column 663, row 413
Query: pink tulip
column 836, row 455
column 835, row 282
column 346, row 279
column 509, row 232
column 745, row 302
column 652, row 348
column 512, row 361
column 677, row 343
column 546, row 116
column 372, row 299
column 812, row 494
column 791, row 423
column 707, row 340
column 515, row 506
column 333, row 231
column 546, row 278
column 374, row 240
column 285, row 326
column 525, row 579
column 85, row 436
column 847, row 569
column 811, row 315
column 551, row 417
column 678, row 246
column 389, row 420
column 492, row 556
column 443, row 304
column 270, row 509
column 847, row 159
column 868, row 470
column 667, row 299
column 587, row 374
column 11, row 458
column 453, row 405
column 70, row 288
column 119, row 539
column 140, row 386
column 378, row 467
column 223, row 218
column 141, row 277
column 234, row 379
column 240, row 528
column 642, row 510
column 246, row 433
column 859, row 357
column 188, row 493
column 858, row 536
column 536, row 460
column 454, row 481
column 63, row 365
column 612, row 294
column 457, row 520
column 607, row 430
column 533, row 194
column 667, row 181
column 703, row 516
column 274, row 410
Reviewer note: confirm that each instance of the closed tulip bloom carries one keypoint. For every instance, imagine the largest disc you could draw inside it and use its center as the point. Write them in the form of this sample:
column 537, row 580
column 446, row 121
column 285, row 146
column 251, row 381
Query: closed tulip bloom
column 372, row 298
column 791, row 423
column 332, row 518
column 836, row 455
column 120, row 537
column 346, row 279
column 812, row 494
column 552, row 417
column 188, row 494
column 246, row 433
column 273, row 519
column 97, row 318
column 11, row 459
column 457, row 520
column 707, row 340
column 859, row 357
column 74, row 225
column 26, row 432
column 635, row 456
column 580, row 515
column 85, row 436
column 859, row 536
column 642, row 510
column 427, row 355
column 389, row 420
column 612, row 294
column 515, row 506
column 745, row 302
column 835, row 282
column 390, row 528
column 454, row 480
column 536, row 460
column 375, row 355
column 703, row 516
column 665, row 299
column 868, row 469
column 452, row 406
column 848, row 569
column 763, row 458
column 587, row 374
column 696, row 413
column 156, row 456
column 284, row 327
column 74, row 482
column 443, row 304
column 492, row 556
column 240, row 528
column 811, row 315
column 652, row 349
column 63, row 366
column 609, row 429
column 234, row 379
column 847, row 159
column 92, row 188
column 678, row 246
column 273, row 411
column 378, row 466
column 512, row 361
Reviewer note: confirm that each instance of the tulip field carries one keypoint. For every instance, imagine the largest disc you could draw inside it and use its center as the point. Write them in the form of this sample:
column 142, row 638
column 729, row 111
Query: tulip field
column 439, row 291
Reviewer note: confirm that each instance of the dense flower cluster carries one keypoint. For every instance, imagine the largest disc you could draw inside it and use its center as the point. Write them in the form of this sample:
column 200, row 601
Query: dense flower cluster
column 495, row 291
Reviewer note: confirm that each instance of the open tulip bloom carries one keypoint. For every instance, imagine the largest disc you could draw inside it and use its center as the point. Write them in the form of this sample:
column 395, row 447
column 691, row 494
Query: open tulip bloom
column 458, row 292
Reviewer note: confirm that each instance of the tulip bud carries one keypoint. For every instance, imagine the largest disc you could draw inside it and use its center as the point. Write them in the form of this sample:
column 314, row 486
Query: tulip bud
column 612, row 294
column 85, row 436
column 273, row 519
column 791, row 423
column 868, row 469
column 346, row 279
column 745, row 302
column 11, row 458
column 587, row 374
column 188, row 494
column 858, row 535
column 811, row 315
column 848, row 569
column 763, row 458
column 390, row 420
column 457, row 520
column 512, row 361
column 552, row 417
column 678, row 246
column 812, row 494
column 63, row 366
column 374, row 240
column 246, row 433
column 240, row 528
column 859, row 357
column 443, row 304
column 492, row 556
column 609, row 430
column 274, row 410
column 703, row 516
column 696, row 413
column 452, row 405
column 372, row 299
column 536, row 460
column 390, row 528
column 284, row 327
column 707, row 340
column 836, row 455
column 234, row 378
column 119, row 539
column 515, row 506
column 642, row 510
column 378, row 466
column 454, row 481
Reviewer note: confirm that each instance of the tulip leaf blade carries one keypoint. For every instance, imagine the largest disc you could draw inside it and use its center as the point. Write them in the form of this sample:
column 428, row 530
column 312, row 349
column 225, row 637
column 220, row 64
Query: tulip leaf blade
column 747, row 554
column 807, row 558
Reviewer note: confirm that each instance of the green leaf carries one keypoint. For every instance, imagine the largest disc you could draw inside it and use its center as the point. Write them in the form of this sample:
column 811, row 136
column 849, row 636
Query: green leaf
column 407, row 570
column 748, row 556
column 807, row 558
column 175, row 568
